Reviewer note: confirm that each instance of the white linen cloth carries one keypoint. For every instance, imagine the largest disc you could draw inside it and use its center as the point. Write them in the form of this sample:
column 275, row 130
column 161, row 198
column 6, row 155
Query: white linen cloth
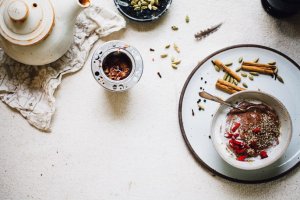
column 30, row 89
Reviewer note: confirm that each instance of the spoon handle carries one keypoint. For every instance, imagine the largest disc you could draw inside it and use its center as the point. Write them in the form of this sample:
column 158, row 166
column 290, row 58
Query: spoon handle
column 208, row 96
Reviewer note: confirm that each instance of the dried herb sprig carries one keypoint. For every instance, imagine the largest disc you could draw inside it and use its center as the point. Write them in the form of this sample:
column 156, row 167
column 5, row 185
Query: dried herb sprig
column 202, row 34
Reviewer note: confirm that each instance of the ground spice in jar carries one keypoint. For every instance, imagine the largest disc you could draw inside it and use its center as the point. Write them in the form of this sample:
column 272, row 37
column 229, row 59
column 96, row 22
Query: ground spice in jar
column 117, row 66
column 252, row 130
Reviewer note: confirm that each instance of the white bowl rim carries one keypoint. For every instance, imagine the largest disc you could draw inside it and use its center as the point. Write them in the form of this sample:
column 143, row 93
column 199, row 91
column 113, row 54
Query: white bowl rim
column 268, row 162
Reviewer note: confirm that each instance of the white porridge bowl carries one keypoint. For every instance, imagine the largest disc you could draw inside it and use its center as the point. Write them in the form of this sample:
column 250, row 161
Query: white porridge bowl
column 220, row 142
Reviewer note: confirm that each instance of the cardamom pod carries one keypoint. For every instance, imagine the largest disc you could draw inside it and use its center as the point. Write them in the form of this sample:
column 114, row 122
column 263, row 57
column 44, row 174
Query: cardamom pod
column 235, row 82
column 238, row 69
column 187, row 19
column 174, row 28
column 164, row 55
column 245, row 85
column 250, row 77
column 254, row 73
column 225, row 76
column 228, row 64
column 280, row 79
column 217, row 68
column 228, row 78
column 244, row 74
column 176, row 62
column 272, row 63
column 176, row 48
column 144, row 3
column 174, row 66
column 240, row 59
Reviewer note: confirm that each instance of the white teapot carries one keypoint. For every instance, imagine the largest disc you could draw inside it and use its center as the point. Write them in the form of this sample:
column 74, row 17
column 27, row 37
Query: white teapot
column 38, row 32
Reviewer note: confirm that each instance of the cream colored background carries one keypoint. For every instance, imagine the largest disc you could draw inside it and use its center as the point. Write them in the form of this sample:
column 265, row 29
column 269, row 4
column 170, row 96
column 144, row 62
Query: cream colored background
column 129, row 145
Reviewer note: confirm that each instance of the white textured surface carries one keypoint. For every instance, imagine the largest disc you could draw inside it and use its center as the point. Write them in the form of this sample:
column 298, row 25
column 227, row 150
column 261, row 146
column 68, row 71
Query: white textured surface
column 129, row 146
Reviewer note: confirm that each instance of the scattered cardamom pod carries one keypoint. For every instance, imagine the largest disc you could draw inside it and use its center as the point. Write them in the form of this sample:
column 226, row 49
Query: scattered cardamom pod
column 174, row 66
column 187, row 19
column 244, row 74
column 167, row 46
column 235, row 82
column 228, row 64
column 228, row 78
column 245, row 85
column 164, row 55
column 225, row 76
column 272, row 63
column 231, row 80
column 240, row 59
column 238, row 69
column 254, row 73
column 174, row 28
column 280, row 78
column 250, row 77
column 217, row 68
column 177, row 62
column 176, row 48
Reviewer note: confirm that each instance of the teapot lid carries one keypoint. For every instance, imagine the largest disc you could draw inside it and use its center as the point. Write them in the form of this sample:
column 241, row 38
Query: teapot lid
column 26, row 22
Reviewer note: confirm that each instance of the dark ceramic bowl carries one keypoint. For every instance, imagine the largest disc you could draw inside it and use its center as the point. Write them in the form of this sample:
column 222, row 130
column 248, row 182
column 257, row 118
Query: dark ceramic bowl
column 142, row 16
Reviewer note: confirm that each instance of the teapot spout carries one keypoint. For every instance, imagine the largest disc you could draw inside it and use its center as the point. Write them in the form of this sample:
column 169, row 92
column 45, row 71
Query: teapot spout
column 84, row 3
column 74, row 8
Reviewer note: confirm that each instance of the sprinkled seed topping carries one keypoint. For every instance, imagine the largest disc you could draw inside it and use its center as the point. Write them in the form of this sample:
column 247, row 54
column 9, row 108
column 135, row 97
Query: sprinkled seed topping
column 252, row 131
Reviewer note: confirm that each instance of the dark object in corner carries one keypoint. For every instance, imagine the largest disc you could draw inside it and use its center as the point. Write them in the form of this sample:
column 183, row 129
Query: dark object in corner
column 281, row 8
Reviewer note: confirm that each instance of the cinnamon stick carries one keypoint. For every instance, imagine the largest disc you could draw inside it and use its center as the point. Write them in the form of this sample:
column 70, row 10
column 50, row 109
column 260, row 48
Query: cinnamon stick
column 259, row 65
column 230, row 85
column 258, row 69
column 225, row 88
column 228, row 70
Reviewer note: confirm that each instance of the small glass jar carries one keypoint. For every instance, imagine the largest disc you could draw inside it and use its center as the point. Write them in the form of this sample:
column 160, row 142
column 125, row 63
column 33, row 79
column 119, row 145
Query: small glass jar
column 109, row 62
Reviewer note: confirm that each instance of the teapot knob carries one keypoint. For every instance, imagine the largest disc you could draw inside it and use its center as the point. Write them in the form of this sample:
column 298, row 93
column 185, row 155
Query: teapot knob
column 18, row 11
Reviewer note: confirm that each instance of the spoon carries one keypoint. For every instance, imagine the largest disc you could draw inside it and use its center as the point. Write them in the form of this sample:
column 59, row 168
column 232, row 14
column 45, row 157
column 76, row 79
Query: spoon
column 211, row 97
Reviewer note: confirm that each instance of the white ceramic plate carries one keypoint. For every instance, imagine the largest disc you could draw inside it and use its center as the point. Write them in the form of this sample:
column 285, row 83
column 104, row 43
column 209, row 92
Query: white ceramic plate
column 274, row 153
column 196, row 129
